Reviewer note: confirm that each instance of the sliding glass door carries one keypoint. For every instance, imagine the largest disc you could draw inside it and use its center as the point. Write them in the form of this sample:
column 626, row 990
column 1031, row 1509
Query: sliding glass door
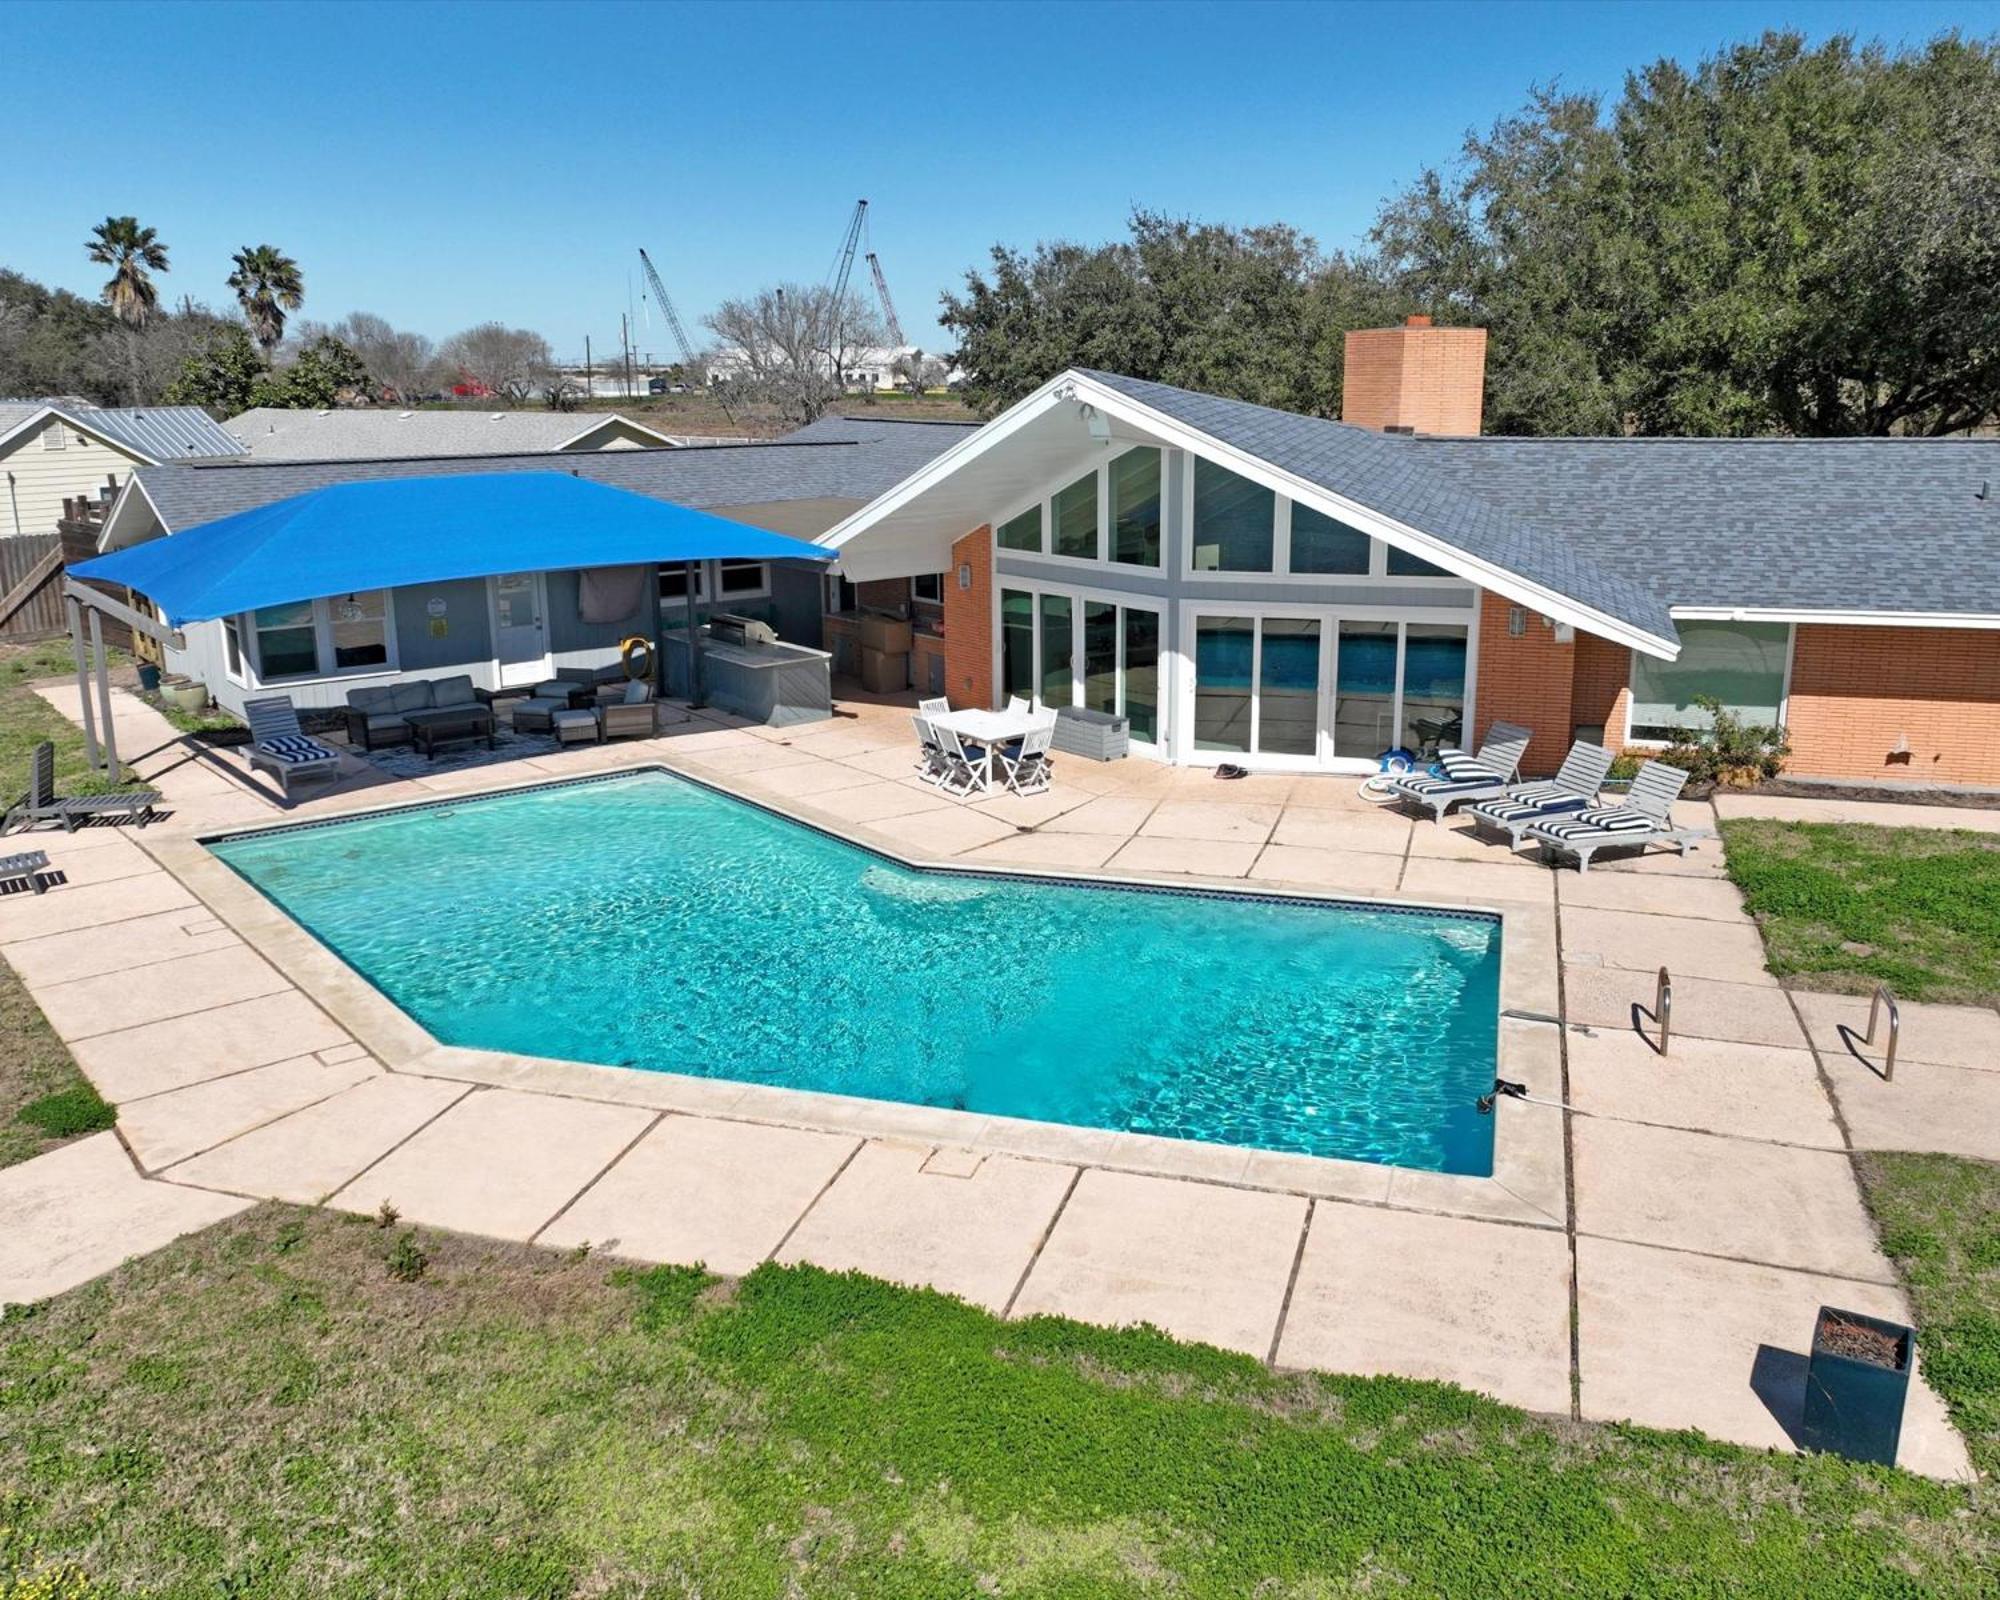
column 1062, row 648
column 1257, row 685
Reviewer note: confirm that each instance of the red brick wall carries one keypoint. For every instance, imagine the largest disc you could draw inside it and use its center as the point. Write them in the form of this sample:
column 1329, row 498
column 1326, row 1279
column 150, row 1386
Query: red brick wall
column 1857, row 691
column 1601, row 689
column 968, row 624
column 1529, row 681
column 883, row 594
column 1415, row 376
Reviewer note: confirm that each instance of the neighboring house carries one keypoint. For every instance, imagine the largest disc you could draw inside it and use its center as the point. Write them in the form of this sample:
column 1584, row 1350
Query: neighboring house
column 1290, row 593
column 268, row 433
column 52, row 451
column 513, row 628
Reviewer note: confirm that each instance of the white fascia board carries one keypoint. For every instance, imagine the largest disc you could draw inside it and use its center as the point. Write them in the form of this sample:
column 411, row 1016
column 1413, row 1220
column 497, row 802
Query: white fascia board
column 34, row 419
column 1843, row 619
column 114, row 516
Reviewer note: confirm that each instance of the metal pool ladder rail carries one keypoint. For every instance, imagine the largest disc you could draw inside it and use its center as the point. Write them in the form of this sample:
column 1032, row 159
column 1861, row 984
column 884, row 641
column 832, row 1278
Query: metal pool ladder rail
column 1884, row 998
column 1663, row 1009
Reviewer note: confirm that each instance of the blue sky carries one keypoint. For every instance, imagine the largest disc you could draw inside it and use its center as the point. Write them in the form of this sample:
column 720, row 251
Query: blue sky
column 444, row 164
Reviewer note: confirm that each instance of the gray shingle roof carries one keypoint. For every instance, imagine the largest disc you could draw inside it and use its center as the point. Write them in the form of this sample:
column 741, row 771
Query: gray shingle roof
column 1786, row 524
column 273, row 433
column 855, row 468
column 1385, row 473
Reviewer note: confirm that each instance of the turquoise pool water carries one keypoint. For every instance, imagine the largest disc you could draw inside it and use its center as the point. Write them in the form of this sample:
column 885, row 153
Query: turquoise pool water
column 645, row 921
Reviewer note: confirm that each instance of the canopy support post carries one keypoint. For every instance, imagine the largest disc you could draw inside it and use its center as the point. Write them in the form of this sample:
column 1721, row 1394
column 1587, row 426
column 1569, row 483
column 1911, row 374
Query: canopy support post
column 104, row 693
column 82, row 680
column 694, row 643
column 659, row 635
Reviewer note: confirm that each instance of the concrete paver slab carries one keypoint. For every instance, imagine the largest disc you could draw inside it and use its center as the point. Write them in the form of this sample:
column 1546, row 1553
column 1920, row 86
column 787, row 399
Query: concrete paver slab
column 499, row 1163
column 89, row 905
column 1116, row 816
column 1952, row 1036
column 183, row 1050
column 1718, row 1085
column 872, row 802
column 1206, row 858
column 1755, row 1013
column 87, row 952
column 1726, row 1197
column 1199, row 1261
column 1475, row 882
column 1954, row 1111
column 1686, row 946
column 1210, row 820
column 83, row 867
column 1375, row 832
column 972, row 1237
column 1074, row 852
column 1713, row 899
column 804, row 780
column 165, row 1128
column 1472, row 1303
column 1880, row 813
column 113, row 1001
column 700, row 1190
column 74, row 1213
column 1354, row 871
column 1683, row 1341
column 303, row 1158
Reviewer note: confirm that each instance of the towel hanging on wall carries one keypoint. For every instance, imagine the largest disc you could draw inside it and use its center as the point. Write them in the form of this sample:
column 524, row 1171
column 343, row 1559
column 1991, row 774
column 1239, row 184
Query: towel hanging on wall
column 610, row 594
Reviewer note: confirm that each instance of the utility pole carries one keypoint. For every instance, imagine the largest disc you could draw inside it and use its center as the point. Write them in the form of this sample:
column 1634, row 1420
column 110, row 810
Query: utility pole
column 625, row 351
column 587, row 387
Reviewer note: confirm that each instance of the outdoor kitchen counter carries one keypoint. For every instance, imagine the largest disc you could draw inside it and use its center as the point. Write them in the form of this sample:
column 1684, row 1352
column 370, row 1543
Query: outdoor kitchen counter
column 778, row 684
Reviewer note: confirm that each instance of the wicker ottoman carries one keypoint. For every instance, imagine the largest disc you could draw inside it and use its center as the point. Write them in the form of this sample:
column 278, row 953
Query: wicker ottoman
column 534, row 715
column 576, row 727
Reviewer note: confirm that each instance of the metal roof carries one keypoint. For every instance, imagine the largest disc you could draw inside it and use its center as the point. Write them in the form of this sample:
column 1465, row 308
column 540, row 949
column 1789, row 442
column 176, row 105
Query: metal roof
column 159, row 433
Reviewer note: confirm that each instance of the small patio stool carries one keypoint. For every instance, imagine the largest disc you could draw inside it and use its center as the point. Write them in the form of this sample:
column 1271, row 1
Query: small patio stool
column 536, row 714
column 576, row 727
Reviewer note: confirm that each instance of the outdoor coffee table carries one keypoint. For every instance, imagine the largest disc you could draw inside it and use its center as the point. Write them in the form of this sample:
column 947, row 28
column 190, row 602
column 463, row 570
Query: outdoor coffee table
column 450, row 725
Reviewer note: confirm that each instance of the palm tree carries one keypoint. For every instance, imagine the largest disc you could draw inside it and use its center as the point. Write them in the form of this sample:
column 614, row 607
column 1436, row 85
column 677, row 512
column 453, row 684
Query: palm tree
column 267, row 285
column 132, row 253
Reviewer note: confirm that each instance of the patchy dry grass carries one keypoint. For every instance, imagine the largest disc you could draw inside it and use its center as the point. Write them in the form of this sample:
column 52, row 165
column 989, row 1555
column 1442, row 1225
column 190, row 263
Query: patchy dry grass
column 1845, row 906
column 267, row 1410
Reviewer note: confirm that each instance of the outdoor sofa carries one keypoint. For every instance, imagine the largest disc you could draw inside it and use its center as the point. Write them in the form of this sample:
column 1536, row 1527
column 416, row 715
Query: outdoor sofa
column 377, row 715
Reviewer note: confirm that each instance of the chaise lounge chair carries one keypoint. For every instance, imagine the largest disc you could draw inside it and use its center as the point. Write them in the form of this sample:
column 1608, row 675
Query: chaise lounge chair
column 1646, row 817
column 42, row 804
column 1573, row 788
column 1481, row 777
column 28, row 867
column 280, row 745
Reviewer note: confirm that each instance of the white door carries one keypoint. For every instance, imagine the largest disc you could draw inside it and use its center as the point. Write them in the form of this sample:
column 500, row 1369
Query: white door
column 520, row 631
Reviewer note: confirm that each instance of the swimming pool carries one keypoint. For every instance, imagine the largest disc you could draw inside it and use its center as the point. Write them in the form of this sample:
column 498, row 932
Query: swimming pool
column 646, row 921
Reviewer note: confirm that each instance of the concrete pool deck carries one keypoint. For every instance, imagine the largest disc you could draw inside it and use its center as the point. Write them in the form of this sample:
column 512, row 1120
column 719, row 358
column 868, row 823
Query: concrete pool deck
column 1689, row 1217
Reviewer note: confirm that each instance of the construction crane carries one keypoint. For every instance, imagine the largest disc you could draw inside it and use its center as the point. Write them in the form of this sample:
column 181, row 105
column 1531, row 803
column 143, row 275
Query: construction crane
column 689, row 366
column 847, row 247
column 888, row 305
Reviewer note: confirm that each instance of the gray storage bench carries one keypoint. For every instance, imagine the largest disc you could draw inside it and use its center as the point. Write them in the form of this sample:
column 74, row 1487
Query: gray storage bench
column 1098, row 735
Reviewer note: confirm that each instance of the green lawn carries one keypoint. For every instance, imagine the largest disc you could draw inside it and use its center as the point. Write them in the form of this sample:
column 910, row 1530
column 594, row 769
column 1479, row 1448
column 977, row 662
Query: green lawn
column 44, row 1099
column 1844, row 907
column 300, row 1405
column 1940, row 1223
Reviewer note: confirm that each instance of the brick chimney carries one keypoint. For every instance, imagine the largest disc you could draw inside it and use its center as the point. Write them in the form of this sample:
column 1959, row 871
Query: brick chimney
column 1415, row 379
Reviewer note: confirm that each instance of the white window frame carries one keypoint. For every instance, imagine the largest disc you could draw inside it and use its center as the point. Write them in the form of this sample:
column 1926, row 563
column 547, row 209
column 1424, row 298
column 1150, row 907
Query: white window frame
column 708, row 583
column 233, row 626
column 54, row 436
column 928, row 600
column 1046, row 500
column 1281, row 546
column 1329, row 618
column 253, row 648
column 1630, row 742
column 1077, row 595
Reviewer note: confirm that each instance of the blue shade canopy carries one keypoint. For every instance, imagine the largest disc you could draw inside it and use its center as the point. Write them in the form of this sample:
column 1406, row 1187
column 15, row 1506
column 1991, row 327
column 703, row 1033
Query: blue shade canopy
column 401, row 531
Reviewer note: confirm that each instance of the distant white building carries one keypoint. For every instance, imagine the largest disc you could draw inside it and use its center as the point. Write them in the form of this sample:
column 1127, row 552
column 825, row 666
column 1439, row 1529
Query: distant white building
column 871, row 369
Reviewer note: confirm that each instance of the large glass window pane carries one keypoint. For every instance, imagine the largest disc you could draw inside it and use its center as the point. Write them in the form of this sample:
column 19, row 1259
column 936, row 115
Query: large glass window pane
column 1324, row 544
column 1741, row 663
column 1100, row 655
column 1364, row 695
column 286, row 644
column 1135, row 507
column 1017, row 643
column 361, row 629
column 1233, row 518
column 1142, row 674
column 1225, row 656
column 1288, row 687
column 1023, row 532
column 1401, row 564
column 1058, row 648
column 1433, row 686
column 1075, row 510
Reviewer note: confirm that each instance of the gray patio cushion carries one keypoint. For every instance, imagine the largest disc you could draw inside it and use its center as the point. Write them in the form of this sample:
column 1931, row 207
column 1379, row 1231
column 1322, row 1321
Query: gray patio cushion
column 452, row 691
column 374, row 701
column 412, row 696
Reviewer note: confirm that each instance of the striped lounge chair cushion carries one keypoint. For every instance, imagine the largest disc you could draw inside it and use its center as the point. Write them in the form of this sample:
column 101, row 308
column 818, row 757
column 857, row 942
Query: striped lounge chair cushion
column 1600, row 819
column 1544, row 800
column 296, row 747
column 1461, row 771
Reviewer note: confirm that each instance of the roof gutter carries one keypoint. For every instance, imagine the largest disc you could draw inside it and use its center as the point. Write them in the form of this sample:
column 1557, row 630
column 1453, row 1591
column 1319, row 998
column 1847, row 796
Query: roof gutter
column 1840, row 619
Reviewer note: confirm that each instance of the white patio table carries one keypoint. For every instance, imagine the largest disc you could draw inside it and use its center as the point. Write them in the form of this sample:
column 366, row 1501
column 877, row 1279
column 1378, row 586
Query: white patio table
column 988, row 728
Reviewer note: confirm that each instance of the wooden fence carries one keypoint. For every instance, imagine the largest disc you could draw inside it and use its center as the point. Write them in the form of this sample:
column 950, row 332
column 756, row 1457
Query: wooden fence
column 31, row 569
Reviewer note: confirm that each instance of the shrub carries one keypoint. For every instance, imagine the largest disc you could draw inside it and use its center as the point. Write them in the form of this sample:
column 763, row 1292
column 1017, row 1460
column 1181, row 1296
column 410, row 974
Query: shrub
column 69, row 1112
column 1731, row 753
column 407, row 1258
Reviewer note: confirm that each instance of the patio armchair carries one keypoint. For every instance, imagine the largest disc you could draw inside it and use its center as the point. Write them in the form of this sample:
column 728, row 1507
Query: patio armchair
column 279, row 745
column 1026, row 761
column 936, row 706
column 634, row 717
column 964, row 763
column 1466, row 778
column 29, row 867
column 1574, row 787
column 42, row 804
column 1645, row 817
column 930, row 762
